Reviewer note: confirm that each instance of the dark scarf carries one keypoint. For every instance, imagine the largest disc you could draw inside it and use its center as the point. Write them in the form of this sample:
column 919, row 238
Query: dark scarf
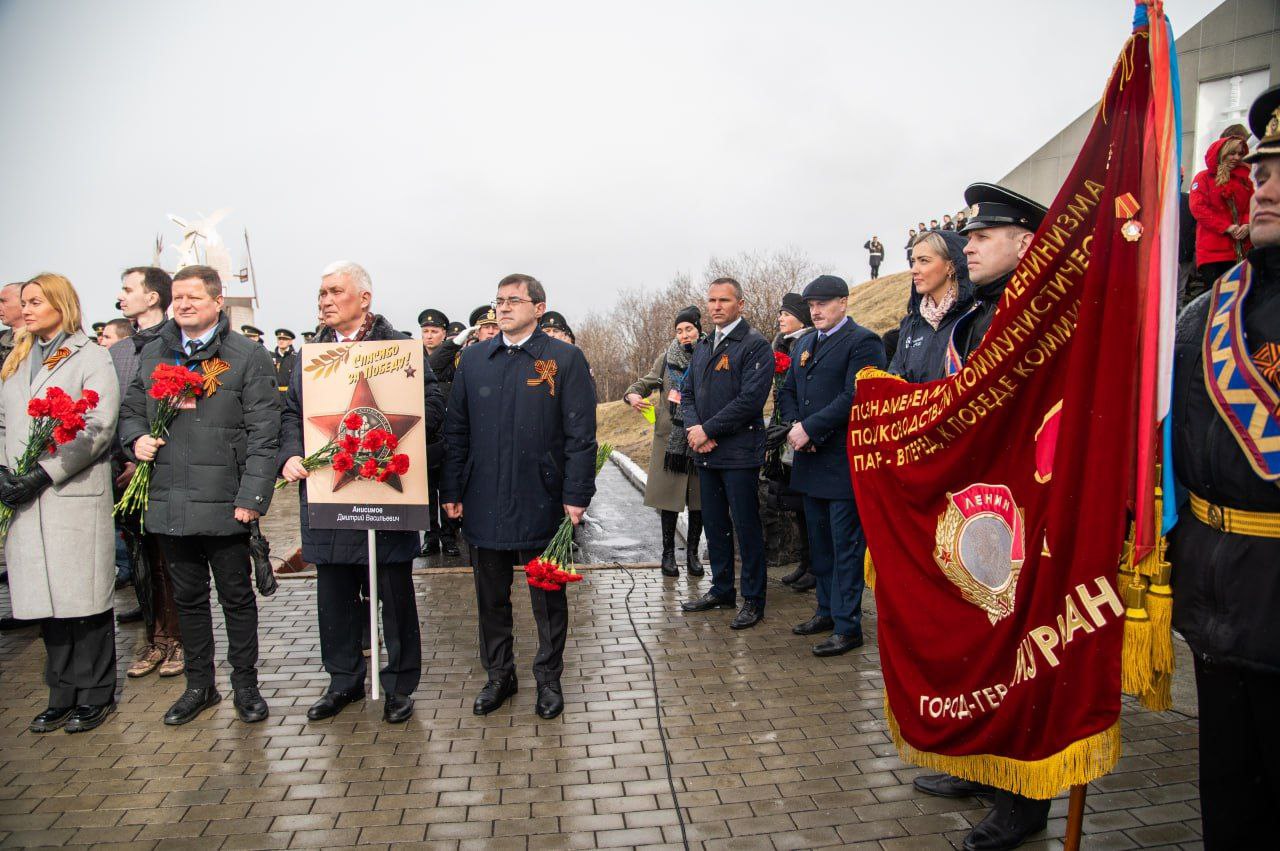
column 328, row 335
column 676, row 459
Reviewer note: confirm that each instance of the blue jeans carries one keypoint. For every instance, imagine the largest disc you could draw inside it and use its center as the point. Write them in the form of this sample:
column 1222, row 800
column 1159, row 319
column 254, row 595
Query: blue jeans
column 836, row 550
column 124, row 566
column 731, row 503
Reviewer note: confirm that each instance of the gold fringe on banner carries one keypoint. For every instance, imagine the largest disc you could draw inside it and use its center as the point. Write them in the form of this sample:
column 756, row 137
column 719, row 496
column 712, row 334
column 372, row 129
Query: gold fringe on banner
column 869, row 571
column 1146, row 666
column 1078, row 763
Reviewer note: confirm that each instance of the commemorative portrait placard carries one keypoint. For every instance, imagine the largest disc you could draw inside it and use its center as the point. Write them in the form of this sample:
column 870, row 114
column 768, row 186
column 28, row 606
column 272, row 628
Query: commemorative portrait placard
column 362, row 404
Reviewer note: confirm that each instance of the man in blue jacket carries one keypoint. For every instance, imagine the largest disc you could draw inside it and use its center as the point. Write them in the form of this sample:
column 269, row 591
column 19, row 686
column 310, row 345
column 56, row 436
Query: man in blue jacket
column 520, row 454
column 723, row 410
column 816, row 398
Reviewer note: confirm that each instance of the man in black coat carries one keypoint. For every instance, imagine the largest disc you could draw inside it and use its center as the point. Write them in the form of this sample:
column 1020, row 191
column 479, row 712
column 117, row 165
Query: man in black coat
column 1225, row 549
column 214, row 474
column 520, row 453
column 285, row 357
column 341, row 556
column 1000, row 226
column 443, row 532
column 722, row 405
column 816, row 398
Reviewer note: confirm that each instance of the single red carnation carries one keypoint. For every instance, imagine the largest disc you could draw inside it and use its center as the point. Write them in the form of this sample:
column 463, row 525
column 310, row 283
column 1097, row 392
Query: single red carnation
column 399, row 463
column 38, row 408
column 353, row 421
column 342, row 462
column 62, row 434
column 91, row 399
column 374, row 439
column 368, row 469
column 781, row 362
column 349, row 443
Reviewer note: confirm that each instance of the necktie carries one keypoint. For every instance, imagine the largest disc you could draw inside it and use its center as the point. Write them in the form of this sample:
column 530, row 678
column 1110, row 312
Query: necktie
column 719, row 339
column 192, row 345
column 817, row 344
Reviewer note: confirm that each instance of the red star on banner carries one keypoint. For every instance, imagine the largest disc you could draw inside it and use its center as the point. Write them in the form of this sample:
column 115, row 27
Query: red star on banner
column 363, row 403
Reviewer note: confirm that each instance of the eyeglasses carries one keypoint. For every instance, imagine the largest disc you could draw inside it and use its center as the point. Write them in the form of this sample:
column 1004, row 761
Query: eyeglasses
column 513, row 301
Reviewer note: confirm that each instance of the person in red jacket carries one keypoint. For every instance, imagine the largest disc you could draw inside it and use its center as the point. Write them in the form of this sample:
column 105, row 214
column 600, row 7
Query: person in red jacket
column 1220, row 203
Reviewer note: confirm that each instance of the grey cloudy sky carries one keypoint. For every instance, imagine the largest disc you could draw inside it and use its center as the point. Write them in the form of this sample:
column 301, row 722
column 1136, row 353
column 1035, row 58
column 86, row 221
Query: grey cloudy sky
column 595, row 145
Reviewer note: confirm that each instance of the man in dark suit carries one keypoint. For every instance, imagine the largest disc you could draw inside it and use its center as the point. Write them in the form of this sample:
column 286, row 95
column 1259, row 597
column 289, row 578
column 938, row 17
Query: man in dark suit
column 520, row 453
column 816, row 398
column 722, row 406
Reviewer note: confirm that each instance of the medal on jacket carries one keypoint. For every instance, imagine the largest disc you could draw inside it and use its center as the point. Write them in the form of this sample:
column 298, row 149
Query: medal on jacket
column 1246, row 401
column 213, row 368
column 57, row 357
column 723, row 363
column 546, row 370
column 804, row 358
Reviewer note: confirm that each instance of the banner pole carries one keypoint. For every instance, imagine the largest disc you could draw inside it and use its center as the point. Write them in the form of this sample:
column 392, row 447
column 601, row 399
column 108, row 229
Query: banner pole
column 375, row 649
column 1075, row 818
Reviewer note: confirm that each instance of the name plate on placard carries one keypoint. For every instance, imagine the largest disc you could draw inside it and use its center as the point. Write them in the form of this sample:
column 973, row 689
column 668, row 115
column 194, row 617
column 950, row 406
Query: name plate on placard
column 363, row 402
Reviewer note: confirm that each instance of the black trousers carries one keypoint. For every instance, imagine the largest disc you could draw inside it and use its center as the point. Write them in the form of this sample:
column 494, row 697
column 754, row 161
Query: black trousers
column 191, row 559
column 493, row 571
column 80, row 664
column 1239, row 756
column 343, row 614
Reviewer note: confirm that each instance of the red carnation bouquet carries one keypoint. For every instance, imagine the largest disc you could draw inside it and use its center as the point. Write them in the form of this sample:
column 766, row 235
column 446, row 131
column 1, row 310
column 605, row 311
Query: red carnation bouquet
column 173, row 387
column 554, row 569
column 372, row 454
column 781, row 363
column 56, row 419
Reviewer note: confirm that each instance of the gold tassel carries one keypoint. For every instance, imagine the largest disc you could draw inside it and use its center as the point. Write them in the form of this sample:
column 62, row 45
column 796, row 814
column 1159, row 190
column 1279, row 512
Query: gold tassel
column 1160, row 607
column 1135, row 658
column 1078, row 763
column 869, row 571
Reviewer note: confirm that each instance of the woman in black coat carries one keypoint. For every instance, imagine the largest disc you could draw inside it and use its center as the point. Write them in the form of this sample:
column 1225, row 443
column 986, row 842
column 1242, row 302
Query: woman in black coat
column 941, row 293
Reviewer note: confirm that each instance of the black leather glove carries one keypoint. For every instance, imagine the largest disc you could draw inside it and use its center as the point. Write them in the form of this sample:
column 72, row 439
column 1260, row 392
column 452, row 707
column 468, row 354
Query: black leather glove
column 775, row 435
column 16, row 491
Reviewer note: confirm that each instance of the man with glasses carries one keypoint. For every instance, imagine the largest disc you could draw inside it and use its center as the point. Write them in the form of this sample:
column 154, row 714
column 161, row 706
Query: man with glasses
column 520, row 448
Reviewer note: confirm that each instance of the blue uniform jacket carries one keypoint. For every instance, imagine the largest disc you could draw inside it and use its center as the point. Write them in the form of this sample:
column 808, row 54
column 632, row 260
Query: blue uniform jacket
column 516, row 452
column 818, row 393
column 724, row 391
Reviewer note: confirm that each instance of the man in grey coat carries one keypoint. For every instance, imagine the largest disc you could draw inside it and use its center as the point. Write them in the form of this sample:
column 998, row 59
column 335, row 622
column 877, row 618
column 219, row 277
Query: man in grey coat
column 214, row 474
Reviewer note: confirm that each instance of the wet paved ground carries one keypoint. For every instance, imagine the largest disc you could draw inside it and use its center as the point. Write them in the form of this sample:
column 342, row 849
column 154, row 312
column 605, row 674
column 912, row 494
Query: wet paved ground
column 772, row 747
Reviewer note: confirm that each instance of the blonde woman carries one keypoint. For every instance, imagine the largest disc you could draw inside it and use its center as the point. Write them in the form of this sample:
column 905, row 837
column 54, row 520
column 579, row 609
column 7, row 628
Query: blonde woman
column 940, row 294
column 60, row 548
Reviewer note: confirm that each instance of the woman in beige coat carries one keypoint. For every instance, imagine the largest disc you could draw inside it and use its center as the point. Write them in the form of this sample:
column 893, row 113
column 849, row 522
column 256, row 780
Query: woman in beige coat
column 673, row 481
column 60, row 548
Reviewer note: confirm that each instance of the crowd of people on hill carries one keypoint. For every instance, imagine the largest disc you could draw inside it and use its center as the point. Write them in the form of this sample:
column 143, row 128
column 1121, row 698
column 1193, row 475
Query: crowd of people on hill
column 510, row 421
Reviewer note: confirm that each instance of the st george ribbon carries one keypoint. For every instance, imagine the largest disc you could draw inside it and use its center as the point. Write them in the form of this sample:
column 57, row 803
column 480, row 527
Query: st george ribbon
column 1002, row 503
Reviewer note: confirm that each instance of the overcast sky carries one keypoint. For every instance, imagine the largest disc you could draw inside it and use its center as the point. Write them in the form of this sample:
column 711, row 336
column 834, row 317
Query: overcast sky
column 597, row 146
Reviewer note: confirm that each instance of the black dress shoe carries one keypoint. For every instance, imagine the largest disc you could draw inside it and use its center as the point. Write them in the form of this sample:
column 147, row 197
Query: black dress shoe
column 333, row 702
column 86, row 717
column 814, row 625
column 837, row 644
column 748, row 616
column 131, row 616
column 950, row 786
column 249, row 704
column 706, row 603
column 494, row 694
column 51, row 719
column 430, row 548
column 1009, row 824
column 800, row 570
column 450, row 547
column 805, row 583
column 192, row 703
column 550, row 700
column 397, row 708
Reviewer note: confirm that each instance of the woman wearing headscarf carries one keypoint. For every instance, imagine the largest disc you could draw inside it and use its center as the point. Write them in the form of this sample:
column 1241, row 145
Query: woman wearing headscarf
column 1219, row 200
column 940, row 294
column 673, row 482
column 60, row 549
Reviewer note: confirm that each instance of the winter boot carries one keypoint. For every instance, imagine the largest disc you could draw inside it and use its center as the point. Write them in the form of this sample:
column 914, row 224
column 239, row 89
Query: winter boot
column 669, row 543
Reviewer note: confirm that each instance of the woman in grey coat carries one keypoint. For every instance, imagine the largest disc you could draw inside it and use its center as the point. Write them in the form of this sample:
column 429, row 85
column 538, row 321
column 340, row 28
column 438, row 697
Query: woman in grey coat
column 60, row 548
column 673, row 481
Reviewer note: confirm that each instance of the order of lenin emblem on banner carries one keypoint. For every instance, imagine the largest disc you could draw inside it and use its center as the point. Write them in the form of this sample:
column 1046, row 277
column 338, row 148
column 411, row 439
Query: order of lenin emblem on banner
column 981, row 547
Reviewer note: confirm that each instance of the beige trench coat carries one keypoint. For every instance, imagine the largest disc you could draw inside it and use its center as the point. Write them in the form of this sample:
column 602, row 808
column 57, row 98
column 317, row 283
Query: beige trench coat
column 61, row 546
column 666, row 490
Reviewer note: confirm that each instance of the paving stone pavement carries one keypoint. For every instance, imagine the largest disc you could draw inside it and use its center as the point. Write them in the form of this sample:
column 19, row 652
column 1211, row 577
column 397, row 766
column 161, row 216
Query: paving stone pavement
column 773, row 748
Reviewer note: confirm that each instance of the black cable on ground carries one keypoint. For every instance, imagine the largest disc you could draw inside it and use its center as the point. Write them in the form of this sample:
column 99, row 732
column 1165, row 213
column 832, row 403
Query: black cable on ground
column 657, row 708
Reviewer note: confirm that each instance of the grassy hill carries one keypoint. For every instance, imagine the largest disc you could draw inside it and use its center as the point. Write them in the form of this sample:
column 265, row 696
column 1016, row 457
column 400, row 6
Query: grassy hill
column 878, row 304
